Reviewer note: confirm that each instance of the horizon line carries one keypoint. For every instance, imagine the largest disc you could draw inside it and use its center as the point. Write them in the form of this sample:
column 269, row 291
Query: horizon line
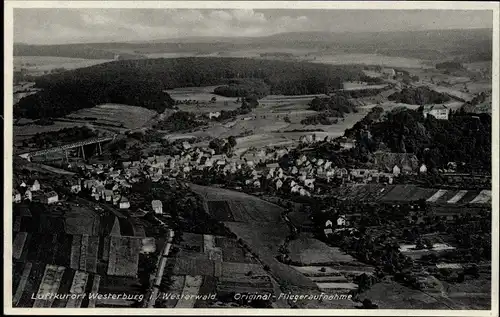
column 246, row 37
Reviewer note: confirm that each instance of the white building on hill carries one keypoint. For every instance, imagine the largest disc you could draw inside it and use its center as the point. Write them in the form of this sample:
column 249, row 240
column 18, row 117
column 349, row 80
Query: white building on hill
column 440, row 112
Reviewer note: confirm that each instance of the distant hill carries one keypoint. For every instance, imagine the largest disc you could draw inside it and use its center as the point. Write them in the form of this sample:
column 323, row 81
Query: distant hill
column 464, row 45
column 69, row 50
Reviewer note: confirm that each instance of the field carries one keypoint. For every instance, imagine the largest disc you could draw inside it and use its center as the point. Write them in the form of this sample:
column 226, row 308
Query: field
column 115, row 115
column 192, row 286
column 406, row 193
column 232, row 251
column 26, row 131
column 396, row 296
column 124, row 256
column 227, row 205
column 41, row 64
column 372, row 59
column 81, row 220
column 310, row 251
column 263, row 238
column 266, row 123
column 41, row 279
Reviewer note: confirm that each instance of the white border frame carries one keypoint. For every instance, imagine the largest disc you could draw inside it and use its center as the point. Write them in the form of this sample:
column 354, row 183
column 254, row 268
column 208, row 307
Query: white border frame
column 356, row 5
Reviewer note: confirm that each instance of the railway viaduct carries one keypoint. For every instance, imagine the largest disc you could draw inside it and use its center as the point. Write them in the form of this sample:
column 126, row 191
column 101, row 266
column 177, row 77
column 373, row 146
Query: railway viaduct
column 66, row 147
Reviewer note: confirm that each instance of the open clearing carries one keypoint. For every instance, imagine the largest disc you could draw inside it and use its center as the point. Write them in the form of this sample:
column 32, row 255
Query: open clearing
column 372, row 59
column 40, row 64
column 310, row 251
column 266, row 123
column 130, row 117
column 124, row 256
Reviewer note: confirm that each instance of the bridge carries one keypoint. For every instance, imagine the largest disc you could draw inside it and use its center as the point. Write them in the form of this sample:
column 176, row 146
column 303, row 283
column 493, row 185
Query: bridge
column 66, row 147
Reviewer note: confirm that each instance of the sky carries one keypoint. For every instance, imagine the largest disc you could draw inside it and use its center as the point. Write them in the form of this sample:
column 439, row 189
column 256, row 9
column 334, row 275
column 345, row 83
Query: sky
column 59, row 26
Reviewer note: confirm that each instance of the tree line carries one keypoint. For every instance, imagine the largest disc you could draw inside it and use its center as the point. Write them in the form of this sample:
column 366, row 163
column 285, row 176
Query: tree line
column 143, row 82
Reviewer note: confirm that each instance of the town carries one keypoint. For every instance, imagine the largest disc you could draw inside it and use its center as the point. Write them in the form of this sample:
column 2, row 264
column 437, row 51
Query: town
column 280, row 180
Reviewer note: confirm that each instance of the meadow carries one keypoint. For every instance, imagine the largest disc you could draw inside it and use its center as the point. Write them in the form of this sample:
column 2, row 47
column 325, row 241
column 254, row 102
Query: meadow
column 40, row 64
column 115, row 115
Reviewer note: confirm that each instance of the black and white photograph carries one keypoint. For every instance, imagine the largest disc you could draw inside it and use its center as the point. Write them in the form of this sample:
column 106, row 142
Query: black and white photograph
column 242, row 157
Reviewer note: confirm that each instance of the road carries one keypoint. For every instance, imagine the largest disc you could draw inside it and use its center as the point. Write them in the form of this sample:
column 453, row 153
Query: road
column 161, row 269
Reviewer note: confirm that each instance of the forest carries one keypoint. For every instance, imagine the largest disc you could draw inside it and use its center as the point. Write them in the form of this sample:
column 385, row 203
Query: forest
column 335, row 105
column 243, row 88
column 142, row 82
column 62, row 136
column 419, row 96
column 178, row 121
column 464, row 138
column 449, row 66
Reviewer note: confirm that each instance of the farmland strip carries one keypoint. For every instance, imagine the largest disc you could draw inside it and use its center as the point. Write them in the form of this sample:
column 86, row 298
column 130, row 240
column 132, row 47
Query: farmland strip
column 192, row 286
column 63, row 255
column 208, row 286
column 436, row 195
column 64, row 287
column 328, row 286
column 32, row 284
column 105, row 248
column 22, row 284
column 49, row 285
column 83, row 252
column 88, row 290
column 113, row 246
column 115, row 231
column 78, row 287
column 95, row 289
column 75, row 252
column 483, row 197
column 91, row 261
column 18, row 245
column 45, row 248
column 17, row 224
column 457, row 197
column 100, row 246
column 24, row 254
column 17, row 271
column 55, row 250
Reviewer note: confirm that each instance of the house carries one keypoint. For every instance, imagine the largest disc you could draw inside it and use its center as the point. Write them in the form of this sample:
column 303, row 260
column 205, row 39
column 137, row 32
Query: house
column 328, row 223
column 279, row 184
column 186, row 145
column 28, row 195
column 440, row 112
column 157, row 206
column 389, row 72
column 396, row 170
column 406, row 162
column 423, row 169
column 51, row 197
column 124, row 203
column 256, row 184
column 116, row 199
column 16, row 196
column 108, row 195
column 148, row 245
column 309, row 183
column 75, row 186
column 341, row 221
column 328, row 231
column 214, row 114
column 449, row 266
column 304, row 192
column 34, row 185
